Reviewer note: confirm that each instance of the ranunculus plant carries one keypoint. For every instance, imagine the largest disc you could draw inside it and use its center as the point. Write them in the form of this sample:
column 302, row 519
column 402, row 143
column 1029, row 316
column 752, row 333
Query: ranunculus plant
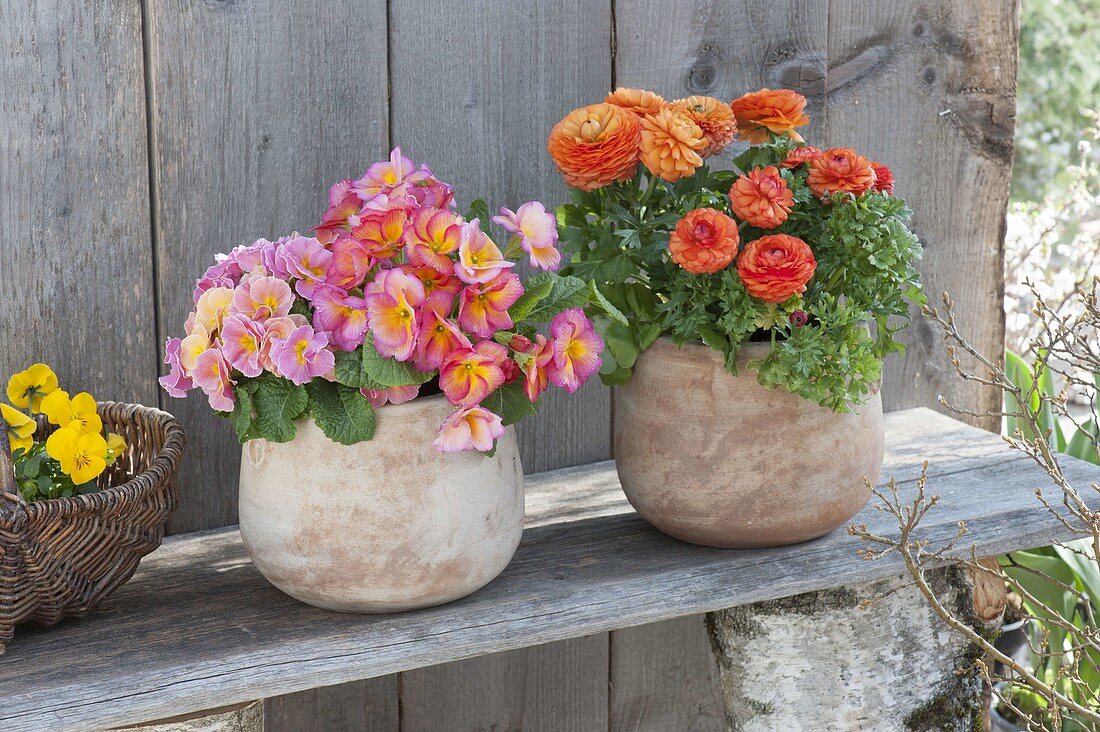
column 805, row 249
column 394, row 295
column 68, row 461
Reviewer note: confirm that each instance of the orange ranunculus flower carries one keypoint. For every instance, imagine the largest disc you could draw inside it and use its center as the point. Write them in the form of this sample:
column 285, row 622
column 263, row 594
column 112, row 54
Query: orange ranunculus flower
column 638, row 101
column 776, row 266
column 705, row 240
column 884, row 177
column 671, row 144
column 762, row 198
column 714, row 118
column 769, row 110
column 800, row 155
column 840, row 170
column 595, row 145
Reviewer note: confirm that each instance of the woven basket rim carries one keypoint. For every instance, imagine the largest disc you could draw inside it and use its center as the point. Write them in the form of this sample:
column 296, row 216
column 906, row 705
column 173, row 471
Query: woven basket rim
column 163, row 467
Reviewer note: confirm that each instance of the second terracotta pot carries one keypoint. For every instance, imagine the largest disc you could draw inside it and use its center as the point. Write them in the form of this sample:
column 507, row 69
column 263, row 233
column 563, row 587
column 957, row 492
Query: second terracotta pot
column 717, row 459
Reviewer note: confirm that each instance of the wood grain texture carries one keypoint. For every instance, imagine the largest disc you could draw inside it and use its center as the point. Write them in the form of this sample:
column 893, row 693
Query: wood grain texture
column 930, row 89
column 478, row 112
column 212, row 632
column 557, row 686
column 74, row 205
column 664, row 677
column 724, row 48
column 256, row 108
column 361, row 706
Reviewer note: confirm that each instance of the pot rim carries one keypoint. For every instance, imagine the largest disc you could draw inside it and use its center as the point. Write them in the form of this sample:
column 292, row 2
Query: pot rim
column 748, row 347
column 419, row 402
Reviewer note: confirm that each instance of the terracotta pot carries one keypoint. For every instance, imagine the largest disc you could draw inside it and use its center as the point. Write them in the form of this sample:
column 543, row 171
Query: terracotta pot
column 384, row 525
column 720, row 460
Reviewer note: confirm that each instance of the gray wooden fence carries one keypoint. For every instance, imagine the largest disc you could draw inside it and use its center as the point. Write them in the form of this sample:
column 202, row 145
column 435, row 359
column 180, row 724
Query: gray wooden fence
column 139, row 137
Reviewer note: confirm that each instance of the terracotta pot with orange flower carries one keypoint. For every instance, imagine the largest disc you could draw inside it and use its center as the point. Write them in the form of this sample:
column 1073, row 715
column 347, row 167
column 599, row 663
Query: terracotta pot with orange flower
column 747, row 308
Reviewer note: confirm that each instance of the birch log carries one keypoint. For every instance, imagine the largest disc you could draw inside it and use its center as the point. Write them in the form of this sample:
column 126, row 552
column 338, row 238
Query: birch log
column 247, row 717
column 819, row 662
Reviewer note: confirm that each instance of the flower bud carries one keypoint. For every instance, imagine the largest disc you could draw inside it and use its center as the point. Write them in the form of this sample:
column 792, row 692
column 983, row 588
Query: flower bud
column 510, row 369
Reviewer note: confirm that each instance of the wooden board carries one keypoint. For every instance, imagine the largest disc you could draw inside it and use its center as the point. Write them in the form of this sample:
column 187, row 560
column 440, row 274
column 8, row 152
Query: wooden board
column 476, row 88
column 361, row 706
column 551, row 687
column 930, row 89
column 198, row 628
column 478, row 113
column 664, row 677
column 76, row 272
column 256, row 108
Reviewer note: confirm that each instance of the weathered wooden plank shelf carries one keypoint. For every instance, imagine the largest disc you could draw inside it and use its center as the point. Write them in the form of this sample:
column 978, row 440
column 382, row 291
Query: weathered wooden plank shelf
column 198, row 628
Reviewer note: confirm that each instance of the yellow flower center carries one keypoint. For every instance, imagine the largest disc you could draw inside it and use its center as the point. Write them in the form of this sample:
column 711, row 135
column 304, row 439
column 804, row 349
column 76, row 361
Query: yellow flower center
column 82, row 459
column 300, row 351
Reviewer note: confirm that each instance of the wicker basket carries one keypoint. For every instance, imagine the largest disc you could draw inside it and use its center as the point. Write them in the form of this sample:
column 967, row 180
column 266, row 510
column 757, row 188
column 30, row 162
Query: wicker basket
column 60, row 557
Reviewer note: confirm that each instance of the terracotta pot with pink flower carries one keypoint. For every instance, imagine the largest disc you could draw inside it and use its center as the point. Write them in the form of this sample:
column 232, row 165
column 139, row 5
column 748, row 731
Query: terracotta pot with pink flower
column 747, row 310
column 373, row 370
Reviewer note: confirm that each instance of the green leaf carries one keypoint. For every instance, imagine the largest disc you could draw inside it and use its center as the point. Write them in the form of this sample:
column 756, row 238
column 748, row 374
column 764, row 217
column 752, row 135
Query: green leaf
column 278, row 402
column 479, row 210
column 1084, row 447
column 1078, row 556
column 613, row 312
column 618, row 377
column 620, row 341
column 535, row 290
column 1019, row 373
column 510, row 403
column 241, row 417
column 567, row 292
column 1053, row 598
column 616, row 268
column 342, row 412
column 365, row 367
column 647, row 335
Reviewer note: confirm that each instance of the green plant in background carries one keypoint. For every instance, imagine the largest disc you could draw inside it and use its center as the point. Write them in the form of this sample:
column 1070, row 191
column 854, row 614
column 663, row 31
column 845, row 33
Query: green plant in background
column 1059, row 584
column 1063, row 578
column 1037, row 381
column 1059, row 78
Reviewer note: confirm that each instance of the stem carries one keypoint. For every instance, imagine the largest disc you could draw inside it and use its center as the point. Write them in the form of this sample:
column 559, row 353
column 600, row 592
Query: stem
column 648, row 191
column 965, row 630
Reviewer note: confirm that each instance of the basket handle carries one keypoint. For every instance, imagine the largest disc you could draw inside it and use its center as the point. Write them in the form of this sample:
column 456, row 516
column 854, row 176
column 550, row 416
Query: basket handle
column 11, row 501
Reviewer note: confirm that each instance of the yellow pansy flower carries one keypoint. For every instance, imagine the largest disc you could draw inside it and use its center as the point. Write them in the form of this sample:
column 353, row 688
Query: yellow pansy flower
column 82, row 456
column 27, row 388
column 79, row 412
column 20, row 427
column 116, row 446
